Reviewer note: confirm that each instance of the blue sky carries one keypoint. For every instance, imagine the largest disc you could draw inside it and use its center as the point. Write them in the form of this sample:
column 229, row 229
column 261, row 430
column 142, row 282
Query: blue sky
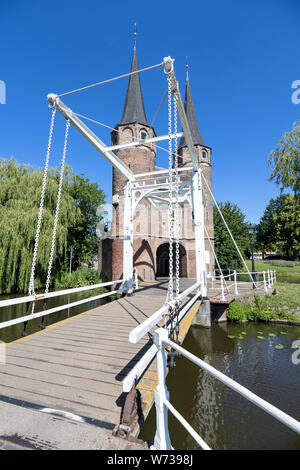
column 243, row 58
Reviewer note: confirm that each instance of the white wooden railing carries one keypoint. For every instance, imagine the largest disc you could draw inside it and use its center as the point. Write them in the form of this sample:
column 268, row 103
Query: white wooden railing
column 145, row 327
column 268, row 278
column 162, row 438
column 34, row 298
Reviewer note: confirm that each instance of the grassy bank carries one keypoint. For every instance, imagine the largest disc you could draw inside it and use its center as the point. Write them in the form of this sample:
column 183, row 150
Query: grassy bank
column 283, row 306
column 287, row 271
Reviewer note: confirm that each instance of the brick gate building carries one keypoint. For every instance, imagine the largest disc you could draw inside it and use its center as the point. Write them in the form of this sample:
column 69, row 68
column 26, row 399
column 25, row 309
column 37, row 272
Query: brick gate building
column 151, row 237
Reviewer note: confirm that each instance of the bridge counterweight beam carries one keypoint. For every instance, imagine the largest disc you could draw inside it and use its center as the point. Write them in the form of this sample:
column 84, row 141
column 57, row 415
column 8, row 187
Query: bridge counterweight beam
column 128, row 239
column 198, row 218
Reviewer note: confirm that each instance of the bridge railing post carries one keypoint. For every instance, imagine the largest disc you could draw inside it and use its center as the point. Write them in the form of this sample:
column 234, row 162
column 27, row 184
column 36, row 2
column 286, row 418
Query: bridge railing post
column 265, row 282
column 162, row 437
column 136, row 279
column 222, row 288
column 236, row 292
column 275, row 279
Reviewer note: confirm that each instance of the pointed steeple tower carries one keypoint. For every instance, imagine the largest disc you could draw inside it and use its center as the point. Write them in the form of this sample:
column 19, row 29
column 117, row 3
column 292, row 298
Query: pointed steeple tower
column 140, row 159
column 203, row 151
column 134, row 110
column 133, row 126
column 191, row 115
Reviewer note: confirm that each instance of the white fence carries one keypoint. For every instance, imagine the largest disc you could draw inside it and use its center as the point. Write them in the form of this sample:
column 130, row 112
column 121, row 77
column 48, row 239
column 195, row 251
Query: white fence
column 34, row 298
column 162, row 439
column 145, row 327
column 263, row 280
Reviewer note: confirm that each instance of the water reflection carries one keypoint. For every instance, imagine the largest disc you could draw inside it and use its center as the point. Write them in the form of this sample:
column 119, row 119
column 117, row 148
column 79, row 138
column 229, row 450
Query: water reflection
column 224, row 419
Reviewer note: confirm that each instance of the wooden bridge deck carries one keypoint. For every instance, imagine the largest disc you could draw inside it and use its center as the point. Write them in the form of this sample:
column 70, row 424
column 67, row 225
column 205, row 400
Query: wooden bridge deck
column 77, row 365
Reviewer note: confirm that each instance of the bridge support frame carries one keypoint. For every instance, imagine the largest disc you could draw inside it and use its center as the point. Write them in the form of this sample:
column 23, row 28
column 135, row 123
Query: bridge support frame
column 128, row 240
column 198, row 216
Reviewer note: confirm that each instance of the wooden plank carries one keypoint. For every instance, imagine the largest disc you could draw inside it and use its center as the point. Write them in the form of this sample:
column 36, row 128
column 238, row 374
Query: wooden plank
column 78, row 364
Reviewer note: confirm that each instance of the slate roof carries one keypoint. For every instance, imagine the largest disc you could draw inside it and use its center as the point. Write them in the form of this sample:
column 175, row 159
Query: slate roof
column 191, row 117
column 134, row 110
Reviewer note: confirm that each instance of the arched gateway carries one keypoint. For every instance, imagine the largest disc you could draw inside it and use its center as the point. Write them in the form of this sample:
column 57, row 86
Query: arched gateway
column 150, row 230
column 162, row 261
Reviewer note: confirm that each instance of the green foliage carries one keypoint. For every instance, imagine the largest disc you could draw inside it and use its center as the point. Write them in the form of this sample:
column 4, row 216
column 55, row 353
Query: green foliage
column 81, row 277
column 279, row 227
column 239, row 312
column 252, row 311
column 82, row 234
column 285, row 161
column 20, row 188
column 224, row 247
column 20, row 192
column 264, row 308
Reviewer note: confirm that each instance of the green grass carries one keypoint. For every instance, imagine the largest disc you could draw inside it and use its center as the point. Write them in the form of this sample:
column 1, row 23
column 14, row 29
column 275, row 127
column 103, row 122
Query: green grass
column 286, row 270
column 288, row 295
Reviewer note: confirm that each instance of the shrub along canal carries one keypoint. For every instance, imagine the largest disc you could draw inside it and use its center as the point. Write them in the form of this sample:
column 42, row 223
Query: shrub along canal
column 263, row 357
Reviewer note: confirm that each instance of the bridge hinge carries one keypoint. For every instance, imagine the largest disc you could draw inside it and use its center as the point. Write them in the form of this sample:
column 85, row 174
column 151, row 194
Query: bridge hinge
column 131, row 413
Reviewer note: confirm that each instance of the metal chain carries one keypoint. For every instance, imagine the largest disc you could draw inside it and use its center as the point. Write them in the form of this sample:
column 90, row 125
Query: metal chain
column 62, row 168
column 39, row 222
column 170, row 211
column 177, row 259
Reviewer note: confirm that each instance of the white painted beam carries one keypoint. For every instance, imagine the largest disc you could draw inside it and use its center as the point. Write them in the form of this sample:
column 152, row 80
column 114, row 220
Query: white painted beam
column 137, row 143
column 90, row 136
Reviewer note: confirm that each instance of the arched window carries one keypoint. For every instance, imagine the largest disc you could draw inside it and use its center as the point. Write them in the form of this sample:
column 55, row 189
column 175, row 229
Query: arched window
column 204, row 154
column 143, row 134
column 115, row 139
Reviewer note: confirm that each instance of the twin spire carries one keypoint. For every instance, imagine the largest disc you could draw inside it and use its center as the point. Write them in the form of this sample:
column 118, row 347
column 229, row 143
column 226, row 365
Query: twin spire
column 134, row 109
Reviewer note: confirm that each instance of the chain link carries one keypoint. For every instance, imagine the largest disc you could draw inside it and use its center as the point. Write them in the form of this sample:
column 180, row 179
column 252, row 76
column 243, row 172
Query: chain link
column 62, row 168
column 171, row 209
column 173, row 215
column 38, row 228
column 177, row 258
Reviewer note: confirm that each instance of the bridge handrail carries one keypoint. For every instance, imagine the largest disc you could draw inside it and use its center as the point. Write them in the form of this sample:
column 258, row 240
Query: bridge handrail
column 43, row 313
column 264, row 284
column 137, row 333
column 162, row 439
column 32, row 298
column 138, row 370
column 231, row 275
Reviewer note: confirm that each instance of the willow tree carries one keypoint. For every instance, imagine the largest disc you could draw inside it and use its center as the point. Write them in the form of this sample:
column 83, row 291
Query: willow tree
column 285, row 161
column 20, row 191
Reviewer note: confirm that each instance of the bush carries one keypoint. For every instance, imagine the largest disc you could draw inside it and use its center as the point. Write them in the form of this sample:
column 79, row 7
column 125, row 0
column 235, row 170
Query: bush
column 257, row 310
column 81, row 277
column 239, row 312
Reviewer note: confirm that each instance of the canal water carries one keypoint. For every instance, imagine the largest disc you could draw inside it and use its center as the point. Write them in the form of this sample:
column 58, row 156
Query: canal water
column 224, row 419
column 15, row 332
